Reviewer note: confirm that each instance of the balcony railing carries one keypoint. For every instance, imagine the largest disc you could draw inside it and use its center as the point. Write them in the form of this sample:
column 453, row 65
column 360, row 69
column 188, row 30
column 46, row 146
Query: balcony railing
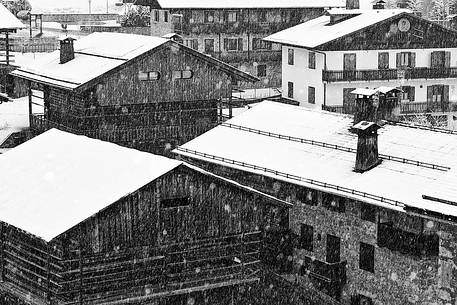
column 418, row 245
column 388, row 74
column 405, row 108
column 240, row 56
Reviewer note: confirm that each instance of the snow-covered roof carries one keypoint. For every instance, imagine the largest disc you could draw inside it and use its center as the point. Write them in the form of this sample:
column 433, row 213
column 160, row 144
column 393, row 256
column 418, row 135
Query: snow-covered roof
column 318, row 31
column 56, row 180
column 316, row 149
column 8, row 21
column 219, row 4
column 99, row 53
column 95, row 55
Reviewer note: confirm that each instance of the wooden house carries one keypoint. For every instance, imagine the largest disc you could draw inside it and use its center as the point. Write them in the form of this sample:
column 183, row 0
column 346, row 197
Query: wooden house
column 145, row 92
column 366, row 231
column 8, row 24
column 232, row 31
column 85, row 221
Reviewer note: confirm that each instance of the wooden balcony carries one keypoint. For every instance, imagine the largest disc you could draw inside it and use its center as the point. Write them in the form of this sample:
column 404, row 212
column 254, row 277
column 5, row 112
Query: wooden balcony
column 327, row 277
column 405, row 108
column 417, row 245
column 243, row 56
column 233, row 27
column 388, row 74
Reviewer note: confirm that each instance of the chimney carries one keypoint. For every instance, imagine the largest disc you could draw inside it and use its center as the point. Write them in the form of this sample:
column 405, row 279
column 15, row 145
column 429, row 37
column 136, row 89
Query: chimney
column 379, row 5
column 376, row 105
column 352, row 4
column 67, row 51
column 367, row 146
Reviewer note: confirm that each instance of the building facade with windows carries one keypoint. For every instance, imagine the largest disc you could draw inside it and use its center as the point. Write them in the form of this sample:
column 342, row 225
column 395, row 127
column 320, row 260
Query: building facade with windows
column 373, row 219
column 145, row 92
column 232, row 31
column 166, row 233
column 326, row 58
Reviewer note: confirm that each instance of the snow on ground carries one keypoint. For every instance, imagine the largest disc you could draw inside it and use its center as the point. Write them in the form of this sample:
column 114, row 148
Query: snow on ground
column 14, row 115
column 24, row 59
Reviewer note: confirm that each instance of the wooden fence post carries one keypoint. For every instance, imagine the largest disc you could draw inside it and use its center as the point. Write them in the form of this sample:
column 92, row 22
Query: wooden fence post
column 2, row 258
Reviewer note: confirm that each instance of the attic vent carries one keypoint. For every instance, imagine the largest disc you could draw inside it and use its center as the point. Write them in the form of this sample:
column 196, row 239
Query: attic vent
column 379, row 5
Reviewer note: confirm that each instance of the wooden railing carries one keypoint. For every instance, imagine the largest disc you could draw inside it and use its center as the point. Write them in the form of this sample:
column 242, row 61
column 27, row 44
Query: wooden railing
column 257, row 55
column 388, row 74
column 405, row 108
column 418, row 245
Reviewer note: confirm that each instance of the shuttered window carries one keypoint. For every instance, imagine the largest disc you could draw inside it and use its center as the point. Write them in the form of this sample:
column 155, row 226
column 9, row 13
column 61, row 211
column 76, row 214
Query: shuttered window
column 261, row 70
column 290, row 90
column 233, row 44
column 306, row 237
column 182, row 74
column 209, row 45
column 440, row 59
column 406, row 60
column 334, row 203
column 408, row 94
column 174, row 202
column 290, row 56
column 209, row 16
column 383, row 60
column 147, row 76
column 366, row 259
column 368, row 212
column 311, row 95
column 312, row 60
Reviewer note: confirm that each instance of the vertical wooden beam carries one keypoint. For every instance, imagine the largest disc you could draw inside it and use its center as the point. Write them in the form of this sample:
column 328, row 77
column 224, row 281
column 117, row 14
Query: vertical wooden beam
column 7, row 48
column 30, row 24
column 81, row 293
column 48, row 274
column 2, row 256
column 29, row 84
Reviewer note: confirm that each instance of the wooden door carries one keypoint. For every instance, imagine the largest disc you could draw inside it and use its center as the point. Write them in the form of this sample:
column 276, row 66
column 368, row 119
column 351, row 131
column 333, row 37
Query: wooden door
column 333, row 249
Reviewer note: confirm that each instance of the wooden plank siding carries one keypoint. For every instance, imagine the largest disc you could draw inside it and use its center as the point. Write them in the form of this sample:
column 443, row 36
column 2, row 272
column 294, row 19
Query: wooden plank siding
column 145, row 246
column 126, row 110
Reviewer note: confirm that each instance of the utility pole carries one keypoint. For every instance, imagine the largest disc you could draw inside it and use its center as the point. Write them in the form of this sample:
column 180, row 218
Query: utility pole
column 90, row 9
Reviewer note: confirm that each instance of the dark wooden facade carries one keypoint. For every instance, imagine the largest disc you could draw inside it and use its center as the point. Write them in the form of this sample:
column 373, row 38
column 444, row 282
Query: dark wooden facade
column 153, row 115
column 183, row 233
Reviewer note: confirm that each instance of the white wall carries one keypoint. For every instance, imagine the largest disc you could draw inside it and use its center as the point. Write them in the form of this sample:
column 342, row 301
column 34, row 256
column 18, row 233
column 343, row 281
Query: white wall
column 302, row 76
column 367, row 60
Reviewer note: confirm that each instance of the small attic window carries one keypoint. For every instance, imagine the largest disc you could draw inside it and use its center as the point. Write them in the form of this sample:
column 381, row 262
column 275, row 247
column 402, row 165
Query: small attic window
column 182, row 74
column 147, row 76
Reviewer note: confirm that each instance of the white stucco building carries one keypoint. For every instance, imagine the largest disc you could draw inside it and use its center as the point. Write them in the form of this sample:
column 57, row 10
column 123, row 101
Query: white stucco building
column 324, row 59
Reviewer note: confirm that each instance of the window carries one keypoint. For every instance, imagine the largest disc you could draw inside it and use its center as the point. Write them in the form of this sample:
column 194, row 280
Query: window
column 290, row 56
column 165, row 16
column 312, row 60
column 182, row 74
column 437, row 93
column 262, row 16
column 366, row 260
column 209, row 16
column 231, row 16
column 174, row 202
column 408, row 93
column 406, row 59
column 147, row 76
column 361, row 300
column 306, row 237
column 311, row 95
column 233, row 44
column 333, row 249
column 193, row 17
column 334, row 203
column 440, row 59
column 261, row 70
column 349, row 62
column 290, row 89
column 259, row 44
column 156, row 15
column 368, row 212
column 307, row 196
column 209, row 45
column 383, row 60
column 192, row 43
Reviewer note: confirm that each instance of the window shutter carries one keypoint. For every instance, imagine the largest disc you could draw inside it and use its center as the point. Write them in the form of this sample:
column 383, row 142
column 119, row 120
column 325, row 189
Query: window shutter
column 240, row 44
column 429, row 94
column 226, row 44
column 412, row 93
column 447, row 59
column 445, row 93
column 412, row 59
column 225, row 16
column 433, row 59
column 398, row 60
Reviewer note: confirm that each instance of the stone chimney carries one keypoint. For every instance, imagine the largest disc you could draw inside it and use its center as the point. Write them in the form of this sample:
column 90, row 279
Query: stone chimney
column 376, row 105
column 367, row 146
column 352, row 4
column 67, row 50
